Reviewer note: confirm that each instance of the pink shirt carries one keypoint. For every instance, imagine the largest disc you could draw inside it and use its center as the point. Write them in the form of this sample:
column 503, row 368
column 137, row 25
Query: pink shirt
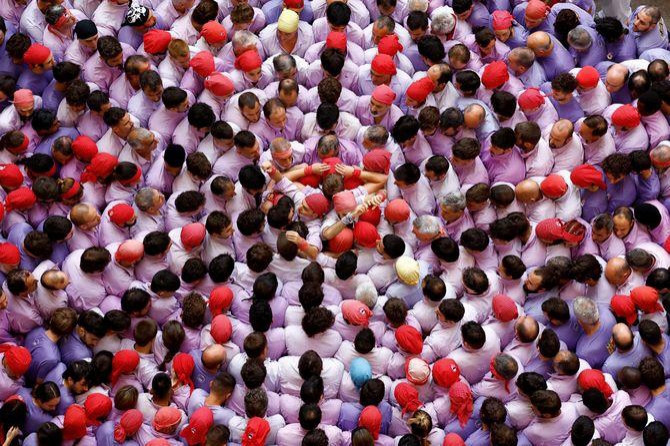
column 85, row 290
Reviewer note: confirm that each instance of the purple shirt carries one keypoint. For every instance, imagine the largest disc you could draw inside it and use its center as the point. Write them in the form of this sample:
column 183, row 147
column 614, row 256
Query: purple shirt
column 559, row 61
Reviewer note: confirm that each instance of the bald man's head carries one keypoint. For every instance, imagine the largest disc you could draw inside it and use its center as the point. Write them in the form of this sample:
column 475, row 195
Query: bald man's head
column 528, row 191
column 561, row 133
column 527, row 329
column 541, row 44
column 84, row 216
column 617, row 271
column 616, row 78
column 213, row 356
column 622, row 337
column 474, row 116
column 54, row 279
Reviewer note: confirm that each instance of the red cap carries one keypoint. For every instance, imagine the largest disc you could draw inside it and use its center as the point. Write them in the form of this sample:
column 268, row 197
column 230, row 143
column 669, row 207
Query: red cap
column 383, row 64
column 318, row 203
column 9, row 254
column 219, row 84
column 21, row 199
column 419, row 90
column 501, row 20
column 213, row 32
column 446, row 372
column 389, row 44
column 220, row 300
column 199, row 423
column 84, row 148
column 74, row 423
column 203, row 63
column 531, row 99
column 371, row 419
column 462, row 405
column 504, row 308
column 248, row 61
column 365, row 234
column 646, row 299
column 256, row 432
column 221, row 329
column 192, row 235
column 384, row 94
column 10, row 176
column 594, row 379
column 409, row 339
column 342, row 242
column 397, row 210
column 626, row 116
column 554, row 186
column 624, row 307
column 156, row 41
column 537, row 9
column 337, row 40
column 377, row 160
column 586, row 175
column 121, row 214
column 17, row 359
column 355, row 312
column 36, row 54
column 98, row 406
column 588, row 77
column 495, row 75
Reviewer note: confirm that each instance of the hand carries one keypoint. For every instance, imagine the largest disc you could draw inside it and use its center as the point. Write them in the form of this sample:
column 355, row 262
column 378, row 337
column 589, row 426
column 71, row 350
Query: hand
column 344, row 170
column 267, row 166
column 360, row 210
column 12, row 434
column 320, row 168
column 293, row 236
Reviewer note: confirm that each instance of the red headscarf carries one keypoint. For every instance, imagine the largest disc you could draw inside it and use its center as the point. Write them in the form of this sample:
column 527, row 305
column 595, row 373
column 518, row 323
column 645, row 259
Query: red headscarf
column 17, row 358
column 495, row 75
column 128, row 425
column 626, row 116
column 221, row 329
column 9, row 254
column 156, row 41
column 192, row 235
column 220, row 300
column 318, row 203
column 84, row 148
column 623, row 306
column 594, row 379
column 377, row 160
column 460, row 397
column 383, row 64
column 531, row 99
column 371, row 419
column 389, row 44
column 166, row 418
column 213, row 32
column 256, row 432
column 419, row 90
column 203, row 63
column 337, row 40
column 588, row 77
column 199, row 423
column 10, row 176
column 397, row 210
column 554, row 186
column 121, row 214
column 537, row 9
column 407, row 397
column 342, row 242
column 74, row 423
column 365, row 234
column 183, row 366
column 248, row 61
column 504, row 308
column 409, row 339
column 97, row 406
column 20, row 199
column 587, row 175
column 124, row 361
column 446, row 372
column 646, row 299
column 102, row 165
column 36, row 54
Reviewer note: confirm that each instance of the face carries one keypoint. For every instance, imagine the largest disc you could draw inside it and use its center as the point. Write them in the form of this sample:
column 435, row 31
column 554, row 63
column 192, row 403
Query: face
column 642, row 22
column 91, row 42
column 449, row 214
column 614, row 83
column 116, row 61
column 377, row 108
column 533, row 23
column 587, row 134
column 599, row 235
column 278, row 118
column 223, row 144
column 533, row 282
column 123, row 127
column 253, row 75
column 465, row 15
column 378, row 33
column 284, row 163
column 252, row 114
column 417, row 34
column 612, row 179
column 183, row 61
column 305, row 210
column 90, row 339
column 288, row 99
column 252, row 153
column 488, row 49
column 154, row 95
column 379, row 79
column 77, row 387
column 557, row 138
column 49, row 406
column 504, row 34
column 285, row 38
column 182, row 6
column 25, row 111
column 561, row 96
column 622, row 226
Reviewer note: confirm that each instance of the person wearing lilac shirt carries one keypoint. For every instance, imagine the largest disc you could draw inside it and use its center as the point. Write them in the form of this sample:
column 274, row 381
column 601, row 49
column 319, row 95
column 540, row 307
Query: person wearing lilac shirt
column 561, row 94
column 586, row 45
column 17, row 236
column 597, row 326
column 551, row 54
column 648, row 28
column 552, row 425
column 508, row 31
column 653, row 376
column 621, row 189
column 629, row 350
column 208, row 363
column 43, row 344
column 41, row 403
column 273, row 8
column 77, row 345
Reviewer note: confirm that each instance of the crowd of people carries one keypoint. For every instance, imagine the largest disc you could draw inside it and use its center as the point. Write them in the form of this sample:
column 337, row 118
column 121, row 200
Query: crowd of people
column 334, row 223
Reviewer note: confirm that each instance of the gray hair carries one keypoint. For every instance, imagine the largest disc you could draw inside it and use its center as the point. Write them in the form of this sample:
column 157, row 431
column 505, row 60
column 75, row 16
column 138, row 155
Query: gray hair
column 53, row 13
column 243, row 39
column 579, row 39
column 144, row 198
column 327, row 144
column 524, row 56
column 639, row 258
column 283, row 63
column 586, row 310
column 661, row 152
column 427, row 224
column 417, row 5
column 654, row 13
column 279, row 145
column 367, row 294
column 455, row 200
column 139, row 136
column 377, row 134
column 442, row 20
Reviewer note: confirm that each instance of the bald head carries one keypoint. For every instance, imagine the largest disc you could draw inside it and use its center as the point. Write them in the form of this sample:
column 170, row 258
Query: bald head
column 560, row 134
column 616, row 78
column 566, row 363
column 622, row 337
column 474, row 116
column 527, row 329
column 83, row 214
column 213, row 356
column 54, row 279
column 617, row 271
column 540, row 43
column 528, row 191
column 660, row 155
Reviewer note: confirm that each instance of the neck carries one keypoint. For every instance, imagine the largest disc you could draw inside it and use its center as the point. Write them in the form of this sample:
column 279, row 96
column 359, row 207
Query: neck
column 658, row 348
column 52, row 336
column 214, row 400
column 658, row 391
column 146, row 349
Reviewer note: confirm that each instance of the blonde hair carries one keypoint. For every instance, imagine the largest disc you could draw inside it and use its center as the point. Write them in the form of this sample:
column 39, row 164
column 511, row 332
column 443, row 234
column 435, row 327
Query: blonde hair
column 420, row 425
column 178, row 48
